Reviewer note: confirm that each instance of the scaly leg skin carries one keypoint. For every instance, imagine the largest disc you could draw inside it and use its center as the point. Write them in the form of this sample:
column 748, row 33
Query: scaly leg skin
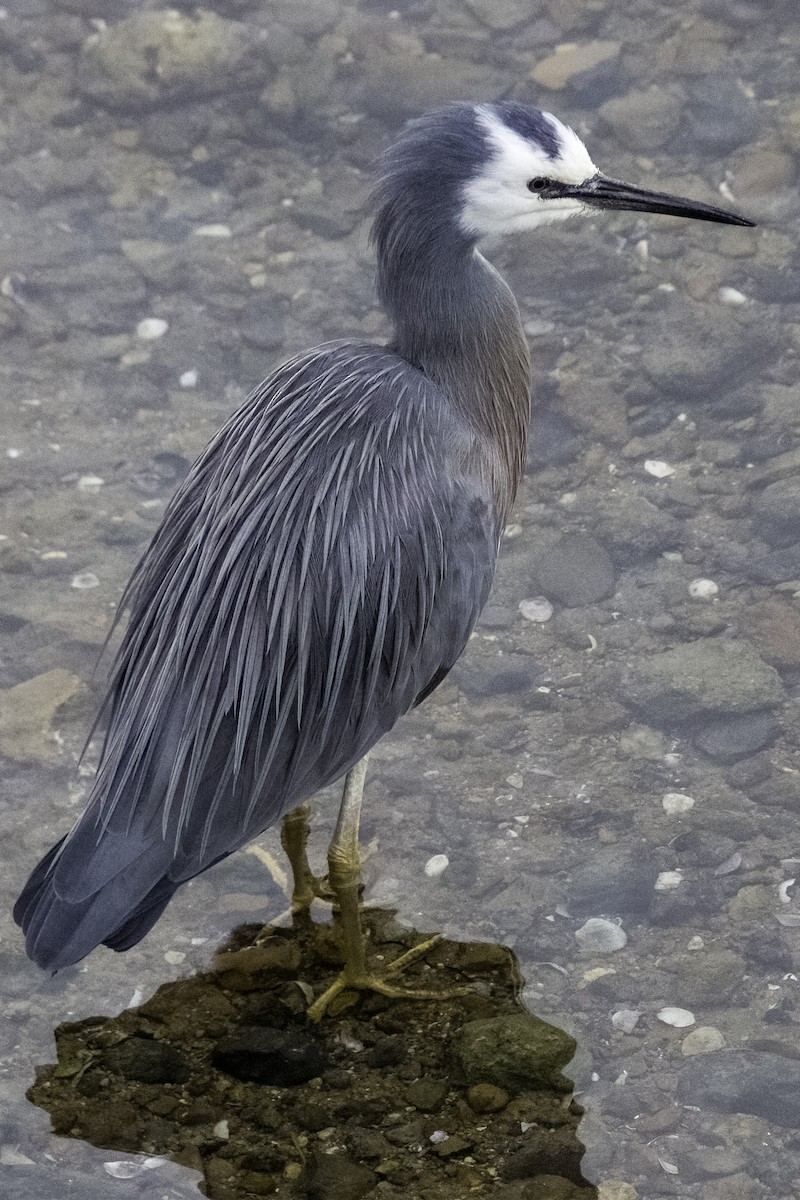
column 306, row 887
column 344, row 877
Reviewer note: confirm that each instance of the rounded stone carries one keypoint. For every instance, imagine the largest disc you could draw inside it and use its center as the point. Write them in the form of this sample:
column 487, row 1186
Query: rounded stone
column 575, row 571
column 643, row 120
column 426, row 1094
column 146, row 1061
column 737, row 737
column 613, row 882
column 703, row 1040
column 282, row 1058
column 515, row 1053
column 675, row 803
column 486, row 1098
column 705, row 677
column 598, row 936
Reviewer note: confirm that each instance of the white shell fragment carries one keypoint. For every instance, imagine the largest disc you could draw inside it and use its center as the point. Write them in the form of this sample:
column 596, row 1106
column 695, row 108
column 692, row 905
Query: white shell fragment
column 657, row 468
column 667, row 881
column 89, row 483
column 84, row 580
column 538, row 609
column 732, row 295
column 599, row 936
column 680, row 1018
column 222, row 1130
column 174, row 957
column 213, row 231
column 188, row 379
column 130, row 1168
column 438, row 1136
column 436, row 865
column 676, row 802
column 626, row 1019
column 703, row 589
column 122, row 1170
column 151, row 328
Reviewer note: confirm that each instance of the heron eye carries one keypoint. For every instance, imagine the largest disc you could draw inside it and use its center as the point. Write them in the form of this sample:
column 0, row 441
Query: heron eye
column 538, row 184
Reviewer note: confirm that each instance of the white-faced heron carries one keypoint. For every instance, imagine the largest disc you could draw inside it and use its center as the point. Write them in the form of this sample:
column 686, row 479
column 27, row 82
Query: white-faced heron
column 323, row 564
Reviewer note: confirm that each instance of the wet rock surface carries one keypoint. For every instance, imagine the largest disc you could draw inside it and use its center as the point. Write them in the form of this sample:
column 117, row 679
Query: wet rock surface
column 384, row 1098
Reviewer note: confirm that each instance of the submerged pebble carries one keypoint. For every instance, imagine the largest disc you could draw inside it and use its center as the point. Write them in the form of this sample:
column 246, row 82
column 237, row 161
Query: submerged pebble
column 436, row 865
column 599, row 936
column 676, row 802
column 703, row 1040
column 680, row 1018
column 151, row 328
column 703, row 589
column 657, row 468
column 84, row 580
column 626, row 1019
column 539, row 609
column 90, row 483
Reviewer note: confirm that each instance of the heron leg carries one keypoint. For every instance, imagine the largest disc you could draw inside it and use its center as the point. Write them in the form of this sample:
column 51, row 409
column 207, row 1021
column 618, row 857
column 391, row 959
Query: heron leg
column 306, row 886
column 344, row 878
column 294, row 839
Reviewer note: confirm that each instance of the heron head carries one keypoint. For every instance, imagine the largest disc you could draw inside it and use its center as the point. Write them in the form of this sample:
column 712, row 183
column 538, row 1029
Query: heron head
column 536, row 170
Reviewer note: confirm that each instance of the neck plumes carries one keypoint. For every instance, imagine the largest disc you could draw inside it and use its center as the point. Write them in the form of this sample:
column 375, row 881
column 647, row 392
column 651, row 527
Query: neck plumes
column 456, row 319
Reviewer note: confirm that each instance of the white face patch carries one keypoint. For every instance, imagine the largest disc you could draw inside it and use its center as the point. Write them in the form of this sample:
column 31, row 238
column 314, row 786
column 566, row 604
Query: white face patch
column 498, row 201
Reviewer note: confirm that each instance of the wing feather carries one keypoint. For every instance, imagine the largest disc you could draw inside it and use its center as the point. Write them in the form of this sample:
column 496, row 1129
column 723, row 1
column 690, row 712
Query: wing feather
column 321, row 567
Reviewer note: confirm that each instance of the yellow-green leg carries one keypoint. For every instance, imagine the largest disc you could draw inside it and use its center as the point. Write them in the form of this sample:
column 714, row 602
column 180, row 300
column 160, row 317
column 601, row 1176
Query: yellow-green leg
column 344, row 878
column 294, row 839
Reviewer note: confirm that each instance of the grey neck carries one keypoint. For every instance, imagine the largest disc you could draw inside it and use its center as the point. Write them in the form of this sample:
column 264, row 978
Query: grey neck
column 456, row 319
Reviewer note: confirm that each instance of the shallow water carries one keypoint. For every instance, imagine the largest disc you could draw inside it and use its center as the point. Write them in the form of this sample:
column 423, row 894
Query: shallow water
column 208, row 177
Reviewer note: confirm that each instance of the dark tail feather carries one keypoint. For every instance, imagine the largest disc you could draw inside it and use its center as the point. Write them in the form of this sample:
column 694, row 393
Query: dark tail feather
column 60, row 930
column 144, row 916
column 30, row 894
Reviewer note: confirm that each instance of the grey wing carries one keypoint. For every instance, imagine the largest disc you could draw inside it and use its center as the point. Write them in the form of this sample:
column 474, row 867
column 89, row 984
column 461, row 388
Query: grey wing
column 319, row 572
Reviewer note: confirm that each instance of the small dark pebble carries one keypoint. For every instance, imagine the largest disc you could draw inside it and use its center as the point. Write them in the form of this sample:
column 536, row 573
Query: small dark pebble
column 546, row 1152
column 279, row 1057
column 337, row 1177
column 751, row 773
column 146, row 1061
column 486, row 1098
column 479, row 677
column 426, row 1094
column 613, row 883
column 779, row 791
column 389, row 1052
column 767, row 948
column 575, row 571
column 737, row 737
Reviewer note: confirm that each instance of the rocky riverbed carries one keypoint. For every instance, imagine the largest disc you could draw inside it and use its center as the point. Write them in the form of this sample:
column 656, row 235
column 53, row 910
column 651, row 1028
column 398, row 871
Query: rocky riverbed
column 609, row 781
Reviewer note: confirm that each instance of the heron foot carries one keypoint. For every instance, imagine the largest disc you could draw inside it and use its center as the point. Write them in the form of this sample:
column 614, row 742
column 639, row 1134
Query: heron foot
column 362, row 980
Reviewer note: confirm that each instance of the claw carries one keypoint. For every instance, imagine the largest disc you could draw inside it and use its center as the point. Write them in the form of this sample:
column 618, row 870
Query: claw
column 368, row 981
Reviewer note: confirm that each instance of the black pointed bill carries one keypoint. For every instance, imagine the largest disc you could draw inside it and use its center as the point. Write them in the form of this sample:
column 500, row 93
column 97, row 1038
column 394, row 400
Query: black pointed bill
column 601, row 192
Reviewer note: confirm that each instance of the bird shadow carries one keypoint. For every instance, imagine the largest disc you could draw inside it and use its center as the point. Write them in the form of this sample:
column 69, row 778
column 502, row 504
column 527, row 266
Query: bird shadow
column 223, row 1072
